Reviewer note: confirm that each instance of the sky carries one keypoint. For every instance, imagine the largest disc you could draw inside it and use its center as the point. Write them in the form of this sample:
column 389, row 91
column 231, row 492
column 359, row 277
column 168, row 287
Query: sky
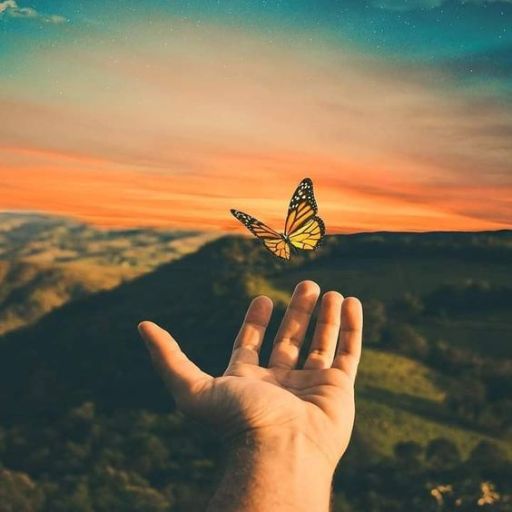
column 169, row 113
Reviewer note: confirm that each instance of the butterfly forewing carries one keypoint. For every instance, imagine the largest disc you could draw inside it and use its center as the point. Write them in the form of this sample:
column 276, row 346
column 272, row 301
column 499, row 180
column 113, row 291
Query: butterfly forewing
column 302, row 207
column 272, row 240
column 303, row 228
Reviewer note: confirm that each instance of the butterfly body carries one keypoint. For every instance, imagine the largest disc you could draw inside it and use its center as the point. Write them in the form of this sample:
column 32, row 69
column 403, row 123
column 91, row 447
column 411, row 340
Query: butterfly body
column 303, row 228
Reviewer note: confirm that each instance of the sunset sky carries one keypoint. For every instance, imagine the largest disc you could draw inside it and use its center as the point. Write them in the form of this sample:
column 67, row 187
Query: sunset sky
column 169, row 113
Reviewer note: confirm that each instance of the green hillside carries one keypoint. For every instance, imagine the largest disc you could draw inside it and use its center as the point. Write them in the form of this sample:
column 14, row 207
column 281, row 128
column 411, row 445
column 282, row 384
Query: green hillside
column 422, row 377
column 48, row 261
column 400, row 399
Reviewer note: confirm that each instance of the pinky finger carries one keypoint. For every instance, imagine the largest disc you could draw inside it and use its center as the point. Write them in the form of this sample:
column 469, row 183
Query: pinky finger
column 348, row 352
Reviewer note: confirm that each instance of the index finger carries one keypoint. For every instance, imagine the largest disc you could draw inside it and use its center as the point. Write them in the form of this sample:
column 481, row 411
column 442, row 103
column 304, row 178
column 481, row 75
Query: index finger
column 251, row 334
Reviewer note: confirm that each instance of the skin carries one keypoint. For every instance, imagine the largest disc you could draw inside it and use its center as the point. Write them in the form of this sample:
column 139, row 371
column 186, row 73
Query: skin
column 285, row 428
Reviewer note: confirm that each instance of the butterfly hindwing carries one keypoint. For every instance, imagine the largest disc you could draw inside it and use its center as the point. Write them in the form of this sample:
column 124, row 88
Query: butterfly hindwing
column 280, row 248
column 272, row 240
column 309, row 235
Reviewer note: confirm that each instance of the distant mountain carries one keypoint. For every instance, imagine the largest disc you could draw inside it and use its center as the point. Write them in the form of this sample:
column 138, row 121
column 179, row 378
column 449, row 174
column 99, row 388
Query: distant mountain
column 47, row 261
column 89, row 350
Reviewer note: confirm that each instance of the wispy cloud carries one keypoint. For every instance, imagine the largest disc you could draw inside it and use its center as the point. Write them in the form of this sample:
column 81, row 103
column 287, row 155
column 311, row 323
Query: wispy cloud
column 487, row 1
column 176, row 127
column 489, row 63
column 411, row 5
column 12, row 9
column 407, row 5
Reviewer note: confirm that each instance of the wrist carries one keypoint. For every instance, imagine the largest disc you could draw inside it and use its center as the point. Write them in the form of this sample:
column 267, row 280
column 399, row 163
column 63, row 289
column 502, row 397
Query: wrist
column 289, row 446
column 276, row 469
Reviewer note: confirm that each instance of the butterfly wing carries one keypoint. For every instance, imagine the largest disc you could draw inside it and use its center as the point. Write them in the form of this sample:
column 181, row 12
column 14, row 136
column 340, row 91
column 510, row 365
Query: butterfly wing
column 309, row 235
column 280, row 248
column 303, row 228
column 272, row 240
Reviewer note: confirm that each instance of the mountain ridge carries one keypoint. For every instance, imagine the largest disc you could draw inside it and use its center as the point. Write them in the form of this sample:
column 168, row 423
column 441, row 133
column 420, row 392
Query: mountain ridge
column 46, row 261
column 89, row 350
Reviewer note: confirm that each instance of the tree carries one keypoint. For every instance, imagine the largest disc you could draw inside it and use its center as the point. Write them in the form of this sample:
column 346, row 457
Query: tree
column 441, row 454
column 409, row 305
column 487, row 456
column 466, row 398
column 18, row 492
column 375, row 319
column 408, row 453
column 405, row 339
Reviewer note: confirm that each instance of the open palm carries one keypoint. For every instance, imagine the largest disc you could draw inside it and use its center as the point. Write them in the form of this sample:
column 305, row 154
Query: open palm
column 316, row 400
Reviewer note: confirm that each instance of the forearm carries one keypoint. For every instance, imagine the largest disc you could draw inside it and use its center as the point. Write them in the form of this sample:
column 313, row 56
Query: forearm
column 282, row 473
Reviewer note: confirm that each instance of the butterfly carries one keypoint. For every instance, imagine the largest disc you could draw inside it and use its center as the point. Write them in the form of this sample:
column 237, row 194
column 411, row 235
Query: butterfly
column 302, row 229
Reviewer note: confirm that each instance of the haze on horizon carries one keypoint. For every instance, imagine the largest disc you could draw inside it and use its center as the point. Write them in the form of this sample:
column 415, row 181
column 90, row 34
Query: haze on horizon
column 169, row 114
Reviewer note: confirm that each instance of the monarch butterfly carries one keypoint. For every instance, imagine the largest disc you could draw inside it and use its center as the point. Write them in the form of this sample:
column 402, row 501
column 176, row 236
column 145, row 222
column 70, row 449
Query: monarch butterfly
column 302, row 230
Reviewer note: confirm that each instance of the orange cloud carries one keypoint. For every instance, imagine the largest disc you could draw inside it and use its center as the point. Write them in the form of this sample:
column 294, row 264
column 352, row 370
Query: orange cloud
column 174, row 128
column 97, row 192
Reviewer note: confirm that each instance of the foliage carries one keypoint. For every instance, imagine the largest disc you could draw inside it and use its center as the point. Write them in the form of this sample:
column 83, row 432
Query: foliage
column 87, row 426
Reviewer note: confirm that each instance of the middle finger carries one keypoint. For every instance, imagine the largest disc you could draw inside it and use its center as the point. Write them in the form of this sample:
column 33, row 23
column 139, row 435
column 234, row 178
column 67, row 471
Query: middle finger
column 290, row 336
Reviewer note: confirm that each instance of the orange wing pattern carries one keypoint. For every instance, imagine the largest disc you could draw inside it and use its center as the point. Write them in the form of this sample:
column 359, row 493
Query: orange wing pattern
column 309, row 236
column 273, row 241
column 303, row 229
column 302, row 207
column 280, row 248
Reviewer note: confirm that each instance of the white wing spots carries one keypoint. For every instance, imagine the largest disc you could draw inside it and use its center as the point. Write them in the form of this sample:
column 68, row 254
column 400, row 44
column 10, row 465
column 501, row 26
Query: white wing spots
column 243, row 217
column 255, row 226
column 304, row 192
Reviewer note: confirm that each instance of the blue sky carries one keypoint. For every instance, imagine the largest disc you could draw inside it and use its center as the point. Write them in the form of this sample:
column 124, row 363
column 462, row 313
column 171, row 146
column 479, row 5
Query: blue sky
column 414, row 97
column 470, row 38
column 405, row 28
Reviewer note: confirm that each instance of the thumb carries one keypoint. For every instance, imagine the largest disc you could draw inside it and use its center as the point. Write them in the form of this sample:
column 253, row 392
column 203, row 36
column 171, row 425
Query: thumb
column 179, row 373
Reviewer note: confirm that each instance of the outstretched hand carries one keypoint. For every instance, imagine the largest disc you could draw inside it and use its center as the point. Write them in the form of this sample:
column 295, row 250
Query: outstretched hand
column 315, row 401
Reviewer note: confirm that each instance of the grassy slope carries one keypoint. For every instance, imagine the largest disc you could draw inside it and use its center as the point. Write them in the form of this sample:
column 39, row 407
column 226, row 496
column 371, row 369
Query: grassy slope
column 387, row 278
column 46, row 262
column 398, row 399
column 30, row 290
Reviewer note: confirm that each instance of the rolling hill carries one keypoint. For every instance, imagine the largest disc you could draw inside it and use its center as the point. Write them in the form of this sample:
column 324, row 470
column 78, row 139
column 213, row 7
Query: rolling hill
column 89, row 351
column 48, row 261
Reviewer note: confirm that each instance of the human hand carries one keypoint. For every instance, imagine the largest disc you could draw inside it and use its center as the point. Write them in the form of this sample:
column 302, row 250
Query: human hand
column 314, row 403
